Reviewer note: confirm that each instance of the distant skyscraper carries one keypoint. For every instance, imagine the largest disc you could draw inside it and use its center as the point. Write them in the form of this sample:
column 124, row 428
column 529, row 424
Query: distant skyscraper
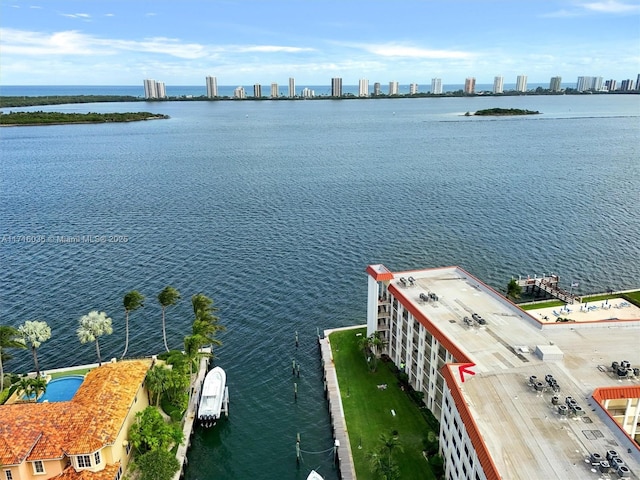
column 212, row 87
column 161, row 89
column 393, row 88
column 257, row 90
column 150, row 88
column 239, row 93
column 153, row 89
column 498, row 84
column 611, row 85
column 363, row 87
column 521, row 83
column 292, row 87
column 274, row 90
column 626, row 85
column 638, row 82
column 470, row 85
column 308, row 93
column 376, row 89
column 413, row 89
column 436, row 86
column 336, row 87
column 555, row 84
column 596, row 83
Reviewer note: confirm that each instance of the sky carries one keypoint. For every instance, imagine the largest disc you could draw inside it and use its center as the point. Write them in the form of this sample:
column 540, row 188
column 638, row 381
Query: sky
column 243, row 42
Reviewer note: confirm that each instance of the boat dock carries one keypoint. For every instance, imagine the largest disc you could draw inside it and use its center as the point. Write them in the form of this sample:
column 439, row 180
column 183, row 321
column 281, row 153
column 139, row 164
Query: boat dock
column 336, row 413
column 547, row 284
column 192, row 410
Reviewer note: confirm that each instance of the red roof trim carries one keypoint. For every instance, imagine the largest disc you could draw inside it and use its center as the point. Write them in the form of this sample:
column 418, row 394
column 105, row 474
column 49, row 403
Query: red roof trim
column 488, row 466
column 379, row 274
column 616, row 393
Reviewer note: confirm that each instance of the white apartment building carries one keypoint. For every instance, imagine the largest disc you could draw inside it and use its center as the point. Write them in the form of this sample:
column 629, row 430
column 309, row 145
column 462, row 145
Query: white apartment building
column 239, row 92
column 436, row 86
column 363, row 87
column 153, row 89
column 377, row 89
column 413, row 88
column 212, row 87
column 336, row 87
column 498, row 84
column 274, row 90
column 544, row 399
column 257, row 90
column 521, row 83
column 308, row 93
column 292, row 87
column 555, row 84
column 393, row 88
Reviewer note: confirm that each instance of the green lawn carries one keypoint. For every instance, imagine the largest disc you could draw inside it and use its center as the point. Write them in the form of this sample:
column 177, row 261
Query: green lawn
column 368, row 409
column 633, row 297
column 66, row 373
column 535, row 306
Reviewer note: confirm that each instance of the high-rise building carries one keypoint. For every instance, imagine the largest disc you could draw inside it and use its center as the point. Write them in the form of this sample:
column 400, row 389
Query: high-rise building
column 239, row 93
column 626, row 85
column 521, row 83
column 596, row 84
column 161, row 89
column 153, row 89
column 393, row 88
column 470, row 85
column 336, row 87
column 498, row 84
column 257, row 90
column 638, row 82
column 292, row 87
column 274, row 90
column 555, row 85
column 611, row 85
column 150, row 89
column 377, row 90
column 363, row 87
column 436, row 86
column 308, row 93
column 557, row 399
column 212, row 87
column 413, row 89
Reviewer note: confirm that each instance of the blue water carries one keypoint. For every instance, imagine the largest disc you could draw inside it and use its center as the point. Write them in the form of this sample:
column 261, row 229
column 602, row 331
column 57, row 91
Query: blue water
column 274, row 209
column 61, row 389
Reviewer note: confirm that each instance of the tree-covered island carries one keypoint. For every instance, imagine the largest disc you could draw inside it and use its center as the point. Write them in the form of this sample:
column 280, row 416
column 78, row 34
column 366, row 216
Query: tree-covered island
column 502, row 112
column 57, row 118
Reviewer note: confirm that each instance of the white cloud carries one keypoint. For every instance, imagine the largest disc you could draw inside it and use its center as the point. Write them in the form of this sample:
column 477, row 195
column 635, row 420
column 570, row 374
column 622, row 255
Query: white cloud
column 611, row 6
column 83, row 16
column 406, row 51
column 273, row 49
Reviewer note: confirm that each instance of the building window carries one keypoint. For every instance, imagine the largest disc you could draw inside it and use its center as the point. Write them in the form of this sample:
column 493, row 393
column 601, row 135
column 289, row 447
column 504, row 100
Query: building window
column 84, row 461
column 96, row 457
column 8, row 474
column 118, row 474
column 127, row 447
column 38, row 466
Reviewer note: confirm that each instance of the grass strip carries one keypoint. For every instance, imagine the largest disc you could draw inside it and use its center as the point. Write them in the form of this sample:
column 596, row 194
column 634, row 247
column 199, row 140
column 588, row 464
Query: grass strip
column 368, row 409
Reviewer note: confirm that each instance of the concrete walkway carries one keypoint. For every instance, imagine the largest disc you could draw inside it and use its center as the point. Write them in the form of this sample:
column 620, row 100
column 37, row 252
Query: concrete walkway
column 190, row 415
column 345, row 458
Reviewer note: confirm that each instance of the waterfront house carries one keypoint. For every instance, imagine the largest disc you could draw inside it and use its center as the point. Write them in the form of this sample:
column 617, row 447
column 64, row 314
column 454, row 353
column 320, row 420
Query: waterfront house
column 85, row 438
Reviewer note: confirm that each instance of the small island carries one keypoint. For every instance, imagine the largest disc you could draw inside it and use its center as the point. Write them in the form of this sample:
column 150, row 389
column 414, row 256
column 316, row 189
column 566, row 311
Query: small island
column 58, row 118
column 501, row 112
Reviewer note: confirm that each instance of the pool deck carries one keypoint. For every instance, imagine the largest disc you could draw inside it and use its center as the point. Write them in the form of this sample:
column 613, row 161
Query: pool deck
column 614, row 309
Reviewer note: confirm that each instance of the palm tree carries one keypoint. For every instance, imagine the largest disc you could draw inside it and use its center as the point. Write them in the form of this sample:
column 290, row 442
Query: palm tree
column 167, row 297
column 201, row 304
column 157, row 382
column 38, row 386
column 9, row 338
column 26, row 387
column 92, row 326
column 35, row 333
column 132, row 301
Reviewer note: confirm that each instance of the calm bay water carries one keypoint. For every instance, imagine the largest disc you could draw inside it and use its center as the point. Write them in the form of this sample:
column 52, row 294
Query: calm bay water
column 274, row 209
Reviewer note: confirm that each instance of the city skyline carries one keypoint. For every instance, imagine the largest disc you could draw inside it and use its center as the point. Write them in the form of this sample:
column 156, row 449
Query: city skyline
column 115, row 42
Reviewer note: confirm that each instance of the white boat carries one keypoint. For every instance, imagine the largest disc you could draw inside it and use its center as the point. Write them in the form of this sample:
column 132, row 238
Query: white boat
column 213, row 397
column 314, row 476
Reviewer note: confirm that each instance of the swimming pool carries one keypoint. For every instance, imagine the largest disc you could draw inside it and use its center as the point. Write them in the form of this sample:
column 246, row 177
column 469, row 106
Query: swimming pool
column 62, row 389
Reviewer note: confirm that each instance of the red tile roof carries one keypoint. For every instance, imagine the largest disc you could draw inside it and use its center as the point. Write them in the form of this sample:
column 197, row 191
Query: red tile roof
column 90, row 421
column 69, row 473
